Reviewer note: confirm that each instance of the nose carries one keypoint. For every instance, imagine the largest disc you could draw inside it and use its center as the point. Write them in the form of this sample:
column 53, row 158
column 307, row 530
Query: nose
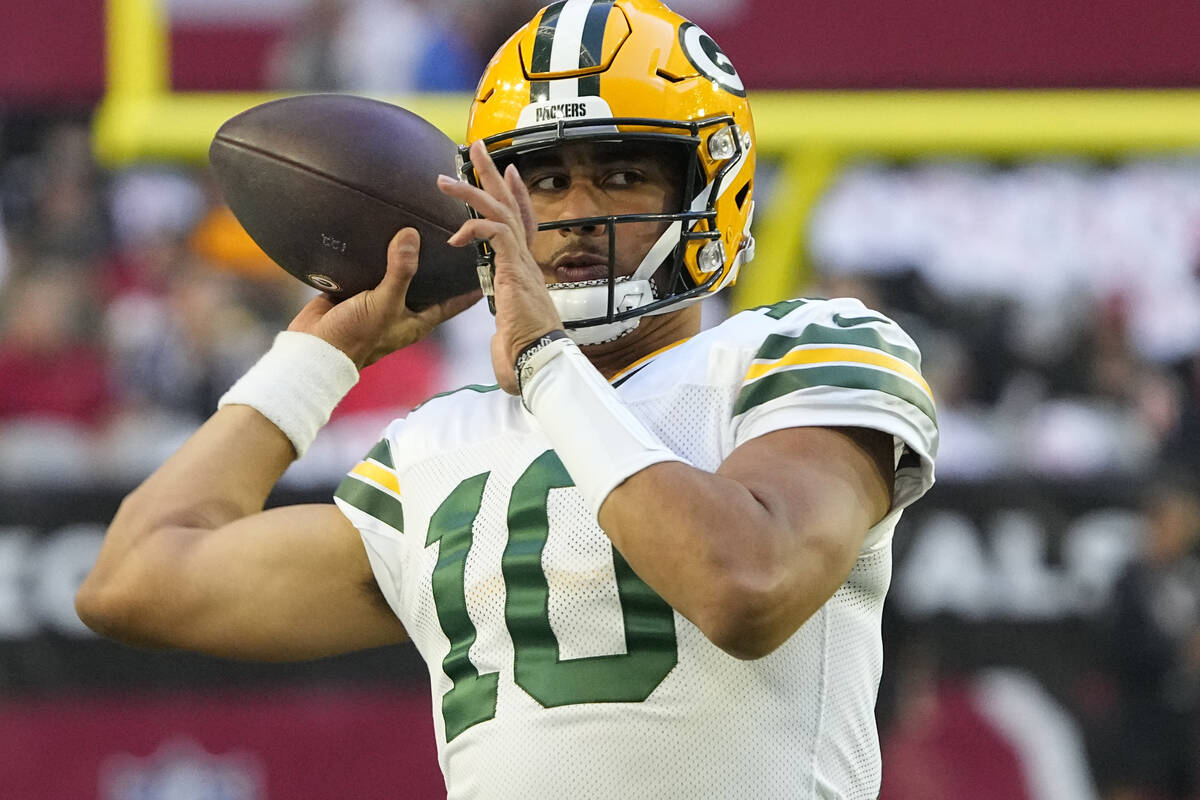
column 582, row 201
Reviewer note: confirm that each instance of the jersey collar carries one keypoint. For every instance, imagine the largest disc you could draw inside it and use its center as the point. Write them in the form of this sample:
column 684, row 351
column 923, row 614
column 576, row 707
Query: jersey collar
column 628, row 372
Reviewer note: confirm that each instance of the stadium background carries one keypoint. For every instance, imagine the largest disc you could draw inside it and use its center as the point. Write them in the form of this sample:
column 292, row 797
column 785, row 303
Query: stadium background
column 1019, row 183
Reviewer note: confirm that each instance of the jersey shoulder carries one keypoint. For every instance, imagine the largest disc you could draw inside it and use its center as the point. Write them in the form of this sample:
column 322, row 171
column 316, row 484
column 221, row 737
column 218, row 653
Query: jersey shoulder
column 835, row 363
column 834, row 343
column 443, row 424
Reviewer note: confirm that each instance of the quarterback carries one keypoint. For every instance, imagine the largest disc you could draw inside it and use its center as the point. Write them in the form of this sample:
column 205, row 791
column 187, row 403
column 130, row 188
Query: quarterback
column 651, row 560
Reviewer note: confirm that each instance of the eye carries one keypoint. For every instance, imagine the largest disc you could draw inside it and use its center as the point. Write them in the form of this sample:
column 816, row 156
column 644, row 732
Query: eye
column 548, row 183
column 624, row 178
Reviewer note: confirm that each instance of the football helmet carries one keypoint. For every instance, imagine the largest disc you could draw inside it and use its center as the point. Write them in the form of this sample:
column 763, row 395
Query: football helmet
column 628, row 71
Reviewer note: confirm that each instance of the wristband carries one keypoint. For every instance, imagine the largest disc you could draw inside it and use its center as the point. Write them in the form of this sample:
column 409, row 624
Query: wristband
column 535, row 354
column 296, row 385
column 597, row 438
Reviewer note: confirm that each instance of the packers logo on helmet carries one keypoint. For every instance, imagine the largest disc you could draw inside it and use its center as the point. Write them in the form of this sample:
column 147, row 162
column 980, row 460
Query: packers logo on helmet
column 707, row 57
column 631, row 71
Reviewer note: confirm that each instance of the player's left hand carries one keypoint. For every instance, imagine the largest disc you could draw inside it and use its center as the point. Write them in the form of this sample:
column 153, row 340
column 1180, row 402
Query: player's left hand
column 524, row 310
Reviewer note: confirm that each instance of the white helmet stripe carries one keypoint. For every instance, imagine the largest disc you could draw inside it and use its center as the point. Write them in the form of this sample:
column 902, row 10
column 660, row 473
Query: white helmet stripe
column 568, row 39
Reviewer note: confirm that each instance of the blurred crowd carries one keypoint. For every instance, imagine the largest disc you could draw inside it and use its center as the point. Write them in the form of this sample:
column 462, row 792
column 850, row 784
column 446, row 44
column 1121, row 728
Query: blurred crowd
column 1057, row 305
column 130, row 301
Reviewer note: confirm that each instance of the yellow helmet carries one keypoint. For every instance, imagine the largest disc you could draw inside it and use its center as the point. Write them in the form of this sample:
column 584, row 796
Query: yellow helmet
column 630, row 71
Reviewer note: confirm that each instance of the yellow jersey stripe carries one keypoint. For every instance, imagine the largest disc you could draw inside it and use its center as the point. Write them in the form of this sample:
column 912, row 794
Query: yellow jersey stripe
column 381, row 475
column 625, row 370
column 808, row 356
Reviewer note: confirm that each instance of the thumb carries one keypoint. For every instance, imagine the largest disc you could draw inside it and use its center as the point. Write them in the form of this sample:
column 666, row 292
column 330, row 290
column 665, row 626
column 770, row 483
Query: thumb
column 403, row 255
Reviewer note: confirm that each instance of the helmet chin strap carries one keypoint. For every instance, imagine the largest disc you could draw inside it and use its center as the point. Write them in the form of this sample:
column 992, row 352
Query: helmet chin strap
column 589, row 299
column 576, row 301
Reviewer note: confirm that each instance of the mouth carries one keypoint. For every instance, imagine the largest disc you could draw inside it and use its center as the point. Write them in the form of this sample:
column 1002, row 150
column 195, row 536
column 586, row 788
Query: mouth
column 578, row 267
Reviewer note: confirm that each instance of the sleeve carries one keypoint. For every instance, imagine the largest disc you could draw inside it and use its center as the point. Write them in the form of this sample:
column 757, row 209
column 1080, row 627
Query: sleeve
column 836, row 363
column 369, row 496
column 373, row 489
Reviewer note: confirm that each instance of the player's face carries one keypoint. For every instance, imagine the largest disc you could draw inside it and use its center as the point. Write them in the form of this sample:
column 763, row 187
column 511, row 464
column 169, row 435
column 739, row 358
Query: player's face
column 590, row 180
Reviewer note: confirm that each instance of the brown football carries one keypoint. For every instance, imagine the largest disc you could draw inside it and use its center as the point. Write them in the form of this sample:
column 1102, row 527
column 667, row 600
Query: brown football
column 322, row 183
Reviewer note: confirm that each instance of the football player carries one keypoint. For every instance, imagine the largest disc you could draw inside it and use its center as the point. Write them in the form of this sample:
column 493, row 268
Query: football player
column 651, row 561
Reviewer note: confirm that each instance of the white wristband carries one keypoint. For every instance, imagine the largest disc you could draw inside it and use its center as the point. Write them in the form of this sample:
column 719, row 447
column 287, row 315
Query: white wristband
column 599, row 441
column 296, row 385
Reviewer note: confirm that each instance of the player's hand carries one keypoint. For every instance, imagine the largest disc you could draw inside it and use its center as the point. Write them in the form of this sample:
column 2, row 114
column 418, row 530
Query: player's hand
column 376, row 323
column 524, row 310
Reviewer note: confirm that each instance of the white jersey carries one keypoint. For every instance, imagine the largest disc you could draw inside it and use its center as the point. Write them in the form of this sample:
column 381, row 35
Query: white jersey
column 555, row 671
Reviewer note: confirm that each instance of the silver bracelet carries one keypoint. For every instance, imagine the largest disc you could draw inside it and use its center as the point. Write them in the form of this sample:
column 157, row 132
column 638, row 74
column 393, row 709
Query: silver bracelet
column 535, row 354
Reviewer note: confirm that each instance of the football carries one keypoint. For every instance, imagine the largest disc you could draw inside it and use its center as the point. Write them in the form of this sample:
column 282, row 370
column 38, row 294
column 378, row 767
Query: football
column 322, row 183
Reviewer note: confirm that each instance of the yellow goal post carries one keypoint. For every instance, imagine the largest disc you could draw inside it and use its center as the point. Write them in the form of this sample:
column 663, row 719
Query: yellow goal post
column 809, row 136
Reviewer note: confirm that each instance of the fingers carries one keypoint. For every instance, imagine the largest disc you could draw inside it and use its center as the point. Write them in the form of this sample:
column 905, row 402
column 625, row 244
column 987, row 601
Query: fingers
column 494, row 197
column 489, row 177
column 486, row 229
column 487, row 205
column 312, row 312
column 436, row 314
column 524, row 204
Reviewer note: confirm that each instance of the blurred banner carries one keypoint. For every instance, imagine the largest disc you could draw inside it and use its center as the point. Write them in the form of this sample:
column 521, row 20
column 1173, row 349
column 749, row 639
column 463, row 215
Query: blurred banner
column 83, row 717
column 1011, row 574
column 989, row 576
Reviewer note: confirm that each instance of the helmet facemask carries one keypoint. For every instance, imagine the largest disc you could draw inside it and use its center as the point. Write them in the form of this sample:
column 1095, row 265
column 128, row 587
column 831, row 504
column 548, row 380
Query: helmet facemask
column 686, row 261
column 629, row 71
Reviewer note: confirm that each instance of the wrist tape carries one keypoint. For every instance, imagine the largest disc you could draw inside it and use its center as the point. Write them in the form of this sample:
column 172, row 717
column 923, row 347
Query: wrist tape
column 296, row 385
column 599, row 441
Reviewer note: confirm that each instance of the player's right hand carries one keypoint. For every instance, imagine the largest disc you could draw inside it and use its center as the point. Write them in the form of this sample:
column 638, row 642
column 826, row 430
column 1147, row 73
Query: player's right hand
column 376, row 323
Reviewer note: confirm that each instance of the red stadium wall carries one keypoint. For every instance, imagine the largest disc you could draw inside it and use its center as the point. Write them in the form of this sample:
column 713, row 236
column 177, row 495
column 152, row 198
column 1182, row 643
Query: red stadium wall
column 780, row 44
column 52, row 51
column 368, row 745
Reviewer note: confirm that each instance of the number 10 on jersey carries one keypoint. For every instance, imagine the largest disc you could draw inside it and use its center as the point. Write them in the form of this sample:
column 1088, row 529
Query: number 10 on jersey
column 626, row 677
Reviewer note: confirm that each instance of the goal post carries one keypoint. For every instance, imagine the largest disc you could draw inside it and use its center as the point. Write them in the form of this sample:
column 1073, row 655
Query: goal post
column 807, row 136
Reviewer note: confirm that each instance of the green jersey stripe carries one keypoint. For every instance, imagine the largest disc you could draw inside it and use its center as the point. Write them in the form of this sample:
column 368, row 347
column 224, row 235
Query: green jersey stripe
column 382, row 453
column 479, row 388
column 777, row 384
column 776, row 345
column 782, row 309
column 371, row 500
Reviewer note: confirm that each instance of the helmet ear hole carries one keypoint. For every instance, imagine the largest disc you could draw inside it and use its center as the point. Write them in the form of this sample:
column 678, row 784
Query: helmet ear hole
column 742, row 194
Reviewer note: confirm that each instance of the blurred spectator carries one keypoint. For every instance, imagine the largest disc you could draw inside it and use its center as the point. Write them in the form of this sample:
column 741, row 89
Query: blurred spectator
column 5, row 260
column 53, row 201
column 1155, row 648
column 150, row 202
column 55, row 393
column 179, row 349
column 303, row 60
column 1183, row 445
column 381, row 46
column 51, row 366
